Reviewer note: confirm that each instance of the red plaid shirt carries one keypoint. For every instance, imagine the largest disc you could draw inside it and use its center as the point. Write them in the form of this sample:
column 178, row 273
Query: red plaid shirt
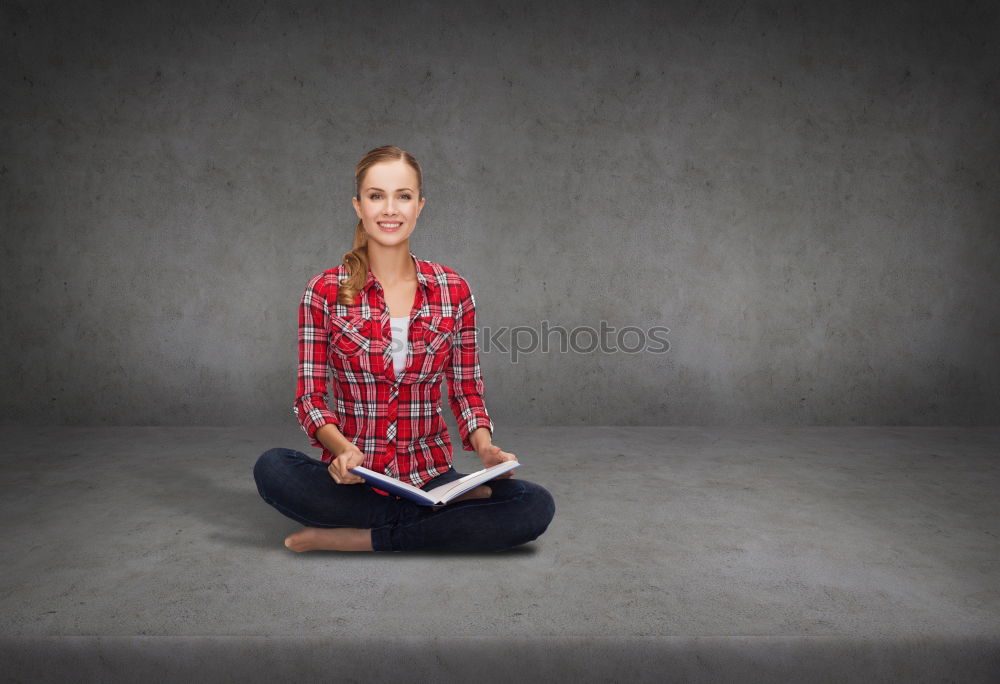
column 395, row 422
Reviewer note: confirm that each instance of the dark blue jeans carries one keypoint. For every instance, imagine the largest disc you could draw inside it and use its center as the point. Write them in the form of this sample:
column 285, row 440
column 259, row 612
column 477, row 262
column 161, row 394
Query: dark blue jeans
column 301, row 488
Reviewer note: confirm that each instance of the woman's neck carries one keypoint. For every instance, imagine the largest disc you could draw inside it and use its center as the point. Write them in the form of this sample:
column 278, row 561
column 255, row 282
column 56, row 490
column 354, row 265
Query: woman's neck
column 391, row 265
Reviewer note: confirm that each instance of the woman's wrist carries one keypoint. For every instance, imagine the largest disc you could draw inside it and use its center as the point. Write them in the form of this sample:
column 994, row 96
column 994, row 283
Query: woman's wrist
column 480, row 439
column 333, row 439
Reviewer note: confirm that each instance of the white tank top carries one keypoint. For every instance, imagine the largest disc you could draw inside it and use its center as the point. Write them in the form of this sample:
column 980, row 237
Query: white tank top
column 400, row 342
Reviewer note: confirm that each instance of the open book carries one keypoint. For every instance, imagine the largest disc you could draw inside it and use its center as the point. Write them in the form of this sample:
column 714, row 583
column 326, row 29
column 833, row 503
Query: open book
column 439, row 495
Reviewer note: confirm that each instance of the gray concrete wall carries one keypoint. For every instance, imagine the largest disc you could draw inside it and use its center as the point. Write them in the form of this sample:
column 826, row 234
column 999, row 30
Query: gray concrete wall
column 805, row 194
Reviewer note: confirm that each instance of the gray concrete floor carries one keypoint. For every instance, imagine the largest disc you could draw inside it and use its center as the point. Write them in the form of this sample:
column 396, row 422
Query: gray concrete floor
column 677, row 540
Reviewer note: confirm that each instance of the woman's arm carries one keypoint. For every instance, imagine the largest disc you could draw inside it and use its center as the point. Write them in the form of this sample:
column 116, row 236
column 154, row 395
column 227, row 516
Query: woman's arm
column 465, row 389
column 333, row 439
column 465, row 379
column 310, row 405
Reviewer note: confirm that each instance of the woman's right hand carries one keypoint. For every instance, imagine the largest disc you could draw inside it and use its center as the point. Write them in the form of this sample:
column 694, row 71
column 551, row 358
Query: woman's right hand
column 348, row 458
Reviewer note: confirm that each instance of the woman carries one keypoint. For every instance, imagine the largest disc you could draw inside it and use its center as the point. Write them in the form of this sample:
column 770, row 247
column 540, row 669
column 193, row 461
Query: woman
column 388, row 326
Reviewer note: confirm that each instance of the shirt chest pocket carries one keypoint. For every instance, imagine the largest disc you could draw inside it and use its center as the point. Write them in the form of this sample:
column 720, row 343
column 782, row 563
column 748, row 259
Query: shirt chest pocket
column 438, row 334
column 435, row 341
column 350, row 338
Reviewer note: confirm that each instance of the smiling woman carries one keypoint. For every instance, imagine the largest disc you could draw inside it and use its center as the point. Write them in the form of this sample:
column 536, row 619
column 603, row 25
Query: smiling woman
column 385, row 413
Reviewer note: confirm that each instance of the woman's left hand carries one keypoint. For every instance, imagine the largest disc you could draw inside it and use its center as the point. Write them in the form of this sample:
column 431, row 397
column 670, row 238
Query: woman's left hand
column 492, row 455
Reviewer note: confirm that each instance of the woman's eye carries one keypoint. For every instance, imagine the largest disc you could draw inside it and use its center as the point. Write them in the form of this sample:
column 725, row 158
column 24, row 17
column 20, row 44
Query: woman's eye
column 404, row 196
column 374, row 196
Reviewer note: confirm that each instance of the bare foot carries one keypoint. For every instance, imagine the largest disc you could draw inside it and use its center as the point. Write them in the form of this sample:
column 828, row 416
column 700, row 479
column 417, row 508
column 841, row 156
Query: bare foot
column 480, row 492
column 330, row 539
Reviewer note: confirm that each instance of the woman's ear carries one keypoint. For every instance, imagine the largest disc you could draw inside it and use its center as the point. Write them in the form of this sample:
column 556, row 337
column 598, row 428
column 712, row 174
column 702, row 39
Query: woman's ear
column 357, row 205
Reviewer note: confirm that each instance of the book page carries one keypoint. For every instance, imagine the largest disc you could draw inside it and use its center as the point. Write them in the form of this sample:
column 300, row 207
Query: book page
column 449, row 491
column 439, row 493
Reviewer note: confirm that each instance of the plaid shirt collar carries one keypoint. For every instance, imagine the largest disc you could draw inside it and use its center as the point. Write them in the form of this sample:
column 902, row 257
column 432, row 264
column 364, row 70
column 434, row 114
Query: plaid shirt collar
column 429, row 274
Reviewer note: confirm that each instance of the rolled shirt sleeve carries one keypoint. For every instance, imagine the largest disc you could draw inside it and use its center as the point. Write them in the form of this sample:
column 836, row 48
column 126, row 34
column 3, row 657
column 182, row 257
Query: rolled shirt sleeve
column 465, row 379
column 310, row 405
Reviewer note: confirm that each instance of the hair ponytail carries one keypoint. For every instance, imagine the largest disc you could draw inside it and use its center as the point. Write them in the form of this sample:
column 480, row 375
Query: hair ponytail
column 356, row 263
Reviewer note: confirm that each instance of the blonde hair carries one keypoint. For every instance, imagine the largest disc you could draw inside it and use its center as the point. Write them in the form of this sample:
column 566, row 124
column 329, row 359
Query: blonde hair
column 356, row 261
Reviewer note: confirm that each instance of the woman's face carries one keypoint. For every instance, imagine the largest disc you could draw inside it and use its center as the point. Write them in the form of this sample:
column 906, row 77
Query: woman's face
column 389, row 204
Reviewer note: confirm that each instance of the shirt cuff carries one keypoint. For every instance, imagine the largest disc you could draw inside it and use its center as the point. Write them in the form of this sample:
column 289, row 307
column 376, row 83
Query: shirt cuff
column 313, row 421
column 466, row 429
